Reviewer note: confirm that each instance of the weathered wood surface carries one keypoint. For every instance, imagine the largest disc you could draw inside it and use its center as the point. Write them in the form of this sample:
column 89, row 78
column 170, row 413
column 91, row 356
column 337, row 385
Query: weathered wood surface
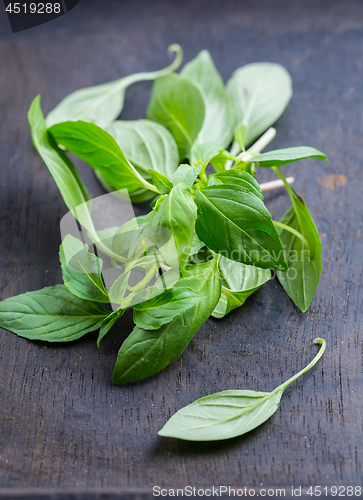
column 63, row 425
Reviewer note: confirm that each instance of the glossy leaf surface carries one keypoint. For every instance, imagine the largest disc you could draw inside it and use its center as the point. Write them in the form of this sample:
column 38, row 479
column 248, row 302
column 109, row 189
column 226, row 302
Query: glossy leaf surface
column 158, row 311
column 302, row 278
column 281, row 157
column 52, row 314
column 97, row 147
column 147, row 352
column 236, row 224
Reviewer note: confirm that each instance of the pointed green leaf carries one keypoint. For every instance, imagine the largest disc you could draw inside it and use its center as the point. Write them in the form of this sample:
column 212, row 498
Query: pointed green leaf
column 229, row 414
column 178, row 105
column 302, row 278
column 97, row 147
column 161, row 182
column 242, row 179
column 238, row 283
column 260, row 93
column 220, row 119
column 178, row 213
column 70, row 185
column 146, row 352
column 53, row 314
column 146, row 145
column 281, row 157
column 240, row 135
column 223, row 415
column 186, row 174
column 237, row 224
column 160, row 310
column 82, row 270
column 108, row 323
column 202, row 154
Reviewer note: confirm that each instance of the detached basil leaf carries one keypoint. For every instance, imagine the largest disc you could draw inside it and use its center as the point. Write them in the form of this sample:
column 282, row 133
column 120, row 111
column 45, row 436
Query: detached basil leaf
column 260, row 93
column 160, row 310
column 82, row 270
column 220, row 119
column 97, row 147
column 102, row 104
column 53, row 314
column 237, row 224
column 228, row 414
column 108, row 323
column 178, row 213
column 161, row 182
column 146, row 352
column 178, row 105
column 186, row 174
column 302, row 278
column 238, row 283
column 70, row 185
column 281, row 157
column 223, row 415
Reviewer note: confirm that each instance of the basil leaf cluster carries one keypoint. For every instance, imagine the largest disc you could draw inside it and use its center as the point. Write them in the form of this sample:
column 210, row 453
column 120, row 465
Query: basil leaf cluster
column 218, row 232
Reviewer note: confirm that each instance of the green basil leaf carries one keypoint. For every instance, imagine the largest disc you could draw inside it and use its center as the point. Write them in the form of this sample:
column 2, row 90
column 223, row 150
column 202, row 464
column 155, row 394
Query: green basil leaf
column 202, row 154
column 302, row 278
column 146, row 145
column 178, row 213
column 53, row 314
column 236, row 178
column 158, row 311
column 281, row 157
column 220, row 119
column 178, row 105
column 103, row 103
column 238, row 283
column 186, row 174
column 108, row 323
column 260, row 93
column 228, row 414
column 146, row 250
column 219, row 161
column 223, row 415
column 240, row 135
column 70, row 185
column 161, row 182
column 237, row 224
column 146, row 352
column 137, row 196
column 82, row 270
column 97, row 147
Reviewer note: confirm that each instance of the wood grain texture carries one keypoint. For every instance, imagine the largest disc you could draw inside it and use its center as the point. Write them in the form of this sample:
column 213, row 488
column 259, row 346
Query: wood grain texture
column 63, row 425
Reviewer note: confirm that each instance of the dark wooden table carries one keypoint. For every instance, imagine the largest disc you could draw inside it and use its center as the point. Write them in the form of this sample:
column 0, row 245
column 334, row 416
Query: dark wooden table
column 64, row 428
